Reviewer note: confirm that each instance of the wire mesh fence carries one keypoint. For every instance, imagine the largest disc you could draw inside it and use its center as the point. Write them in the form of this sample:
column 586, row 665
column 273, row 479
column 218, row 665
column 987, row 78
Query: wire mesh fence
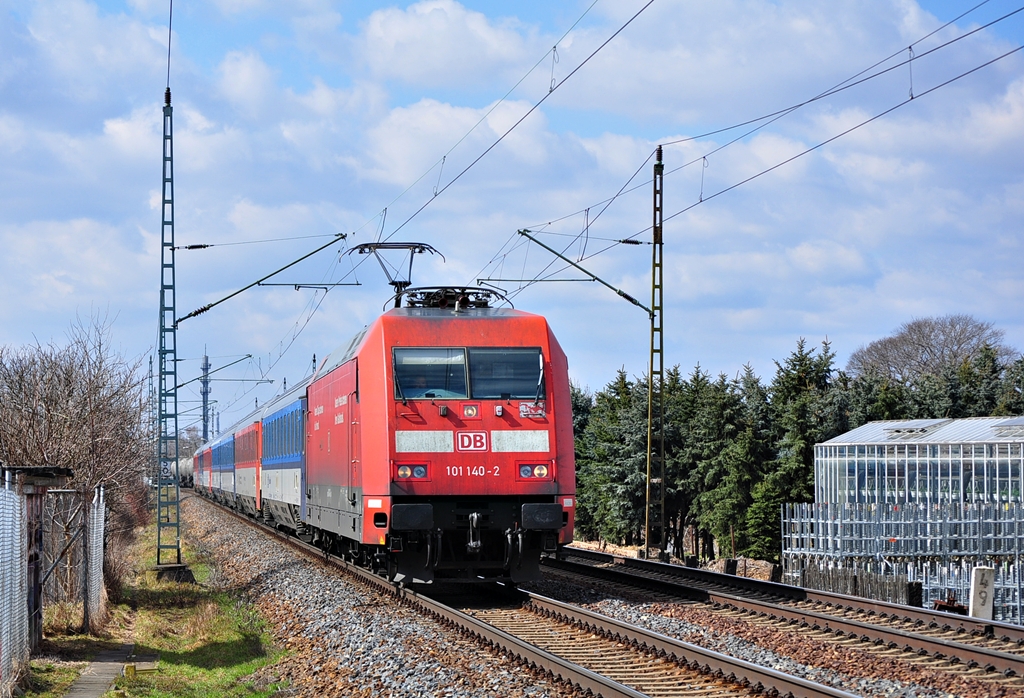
column 75, row 530
column 892, row 547
column 14, row 639
column 94, row 570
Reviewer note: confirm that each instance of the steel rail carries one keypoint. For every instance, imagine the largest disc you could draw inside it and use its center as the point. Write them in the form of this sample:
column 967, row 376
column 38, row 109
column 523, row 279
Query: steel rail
column 578, row 676
column 973, row 655
column 697, row 658
column 976, row 626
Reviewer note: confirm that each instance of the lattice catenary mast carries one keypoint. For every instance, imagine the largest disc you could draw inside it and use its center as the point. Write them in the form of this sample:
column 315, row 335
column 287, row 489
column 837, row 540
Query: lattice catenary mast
column 168, row 531
column 654, row 524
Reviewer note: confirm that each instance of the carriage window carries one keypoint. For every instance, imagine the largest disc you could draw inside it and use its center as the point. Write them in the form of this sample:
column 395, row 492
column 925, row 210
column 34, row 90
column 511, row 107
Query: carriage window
column 430, row 373
column 503, row 373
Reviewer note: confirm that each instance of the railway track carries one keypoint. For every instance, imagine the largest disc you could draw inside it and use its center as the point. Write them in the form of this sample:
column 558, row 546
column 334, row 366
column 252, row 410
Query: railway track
column 596, row 654
column 650, row 663
column 987, row 650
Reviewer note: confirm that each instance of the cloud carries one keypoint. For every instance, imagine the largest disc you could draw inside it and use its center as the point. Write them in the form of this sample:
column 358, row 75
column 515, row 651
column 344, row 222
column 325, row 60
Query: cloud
column 994, row 127
column 719, row 57
column 300, row 122
column 89, row 54
column 56, row 268
column 247, row 82
column 410, row 140
column 234, row 7
column 440, row 42
column 254, row 221
column 135, row 134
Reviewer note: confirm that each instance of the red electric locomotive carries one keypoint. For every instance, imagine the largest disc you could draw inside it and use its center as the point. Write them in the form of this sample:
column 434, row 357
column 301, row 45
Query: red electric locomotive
column 440, row 444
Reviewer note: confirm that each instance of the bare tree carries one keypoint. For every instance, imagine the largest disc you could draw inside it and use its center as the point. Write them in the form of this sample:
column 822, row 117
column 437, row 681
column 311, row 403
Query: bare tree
column 927, row 346
column 80, row 406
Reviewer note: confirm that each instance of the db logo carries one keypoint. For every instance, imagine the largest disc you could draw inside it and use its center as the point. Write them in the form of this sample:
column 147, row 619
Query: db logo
column 471, row 440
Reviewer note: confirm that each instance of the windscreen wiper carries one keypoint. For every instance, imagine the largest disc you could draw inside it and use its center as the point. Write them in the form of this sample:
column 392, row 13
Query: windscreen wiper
column 540, row 379
column 398, row 384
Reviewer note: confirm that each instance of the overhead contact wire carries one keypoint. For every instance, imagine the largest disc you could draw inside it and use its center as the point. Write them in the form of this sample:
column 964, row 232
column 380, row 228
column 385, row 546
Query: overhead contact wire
column 801, row 154
column 170, row 14
column 521, row 119
column 774, row 116
column 847, row 131
column 484, row 117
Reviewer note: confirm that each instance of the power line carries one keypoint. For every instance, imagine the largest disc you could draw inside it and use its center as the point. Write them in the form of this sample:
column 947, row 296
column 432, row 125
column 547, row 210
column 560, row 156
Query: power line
column 203, row 246
column 843, row 133
column 383, row 213
column 199, row 311
column 311, row 308
column 170, row 14
column 466, row 169
column 520, row 120
column 853, row 81
column 850, row 82
column 790, row 159
column 466, row 135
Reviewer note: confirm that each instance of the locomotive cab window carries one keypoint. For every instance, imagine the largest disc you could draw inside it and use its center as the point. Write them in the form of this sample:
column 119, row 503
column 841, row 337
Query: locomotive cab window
column 425, row 373
column 500, row 373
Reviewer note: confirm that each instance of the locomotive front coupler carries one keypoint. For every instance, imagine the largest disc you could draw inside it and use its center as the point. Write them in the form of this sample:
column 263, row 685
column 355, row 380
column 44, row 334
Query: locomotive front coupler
column 513, row 540
column 434, row 548
column 474, row 544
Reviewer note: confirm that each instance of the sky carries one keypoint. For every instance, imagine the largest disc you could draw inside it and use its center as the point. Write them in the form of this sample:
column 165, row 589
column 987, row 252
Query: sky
column 458, row 124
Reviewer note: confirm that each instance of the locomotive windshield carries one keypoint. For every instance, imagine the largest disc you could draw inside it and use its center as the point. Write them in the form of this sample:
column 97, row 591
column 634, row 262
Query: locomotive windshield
column 503, row 373
column 495, row 373
column 430, row 373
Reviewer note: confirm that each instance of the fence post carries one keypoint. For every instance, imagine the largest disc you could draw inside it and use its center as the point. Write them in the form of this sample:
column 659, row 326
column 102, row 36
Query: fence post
column 6, row 570
column 86, row 544
column 13, row 596
column 97, row 526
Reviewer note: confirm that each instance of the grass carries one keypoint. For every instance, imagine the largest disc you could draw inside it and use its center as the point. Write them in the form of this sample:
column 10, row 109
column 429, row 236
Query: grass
column 50, row 677
column 209, row 640
column 208, row 643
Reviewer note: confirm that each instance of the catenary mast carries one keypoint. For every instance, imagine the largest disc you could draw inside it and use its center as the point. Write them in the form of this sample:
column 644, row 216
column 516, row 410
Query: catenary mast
column 168, row 531
column 655, row 531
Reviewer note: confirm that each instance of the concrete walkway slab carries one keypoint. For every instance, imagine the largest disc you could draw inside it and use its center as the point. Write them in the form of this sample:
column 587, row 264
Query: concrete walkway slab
column 97, row 678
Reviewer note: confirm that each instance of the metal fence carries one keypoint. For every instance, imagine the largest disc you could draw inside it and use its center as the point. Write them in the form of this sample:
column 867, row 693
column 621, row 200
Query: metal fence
column 74, row 548
column 94, row 572
column 937, row 545
column 14, row 640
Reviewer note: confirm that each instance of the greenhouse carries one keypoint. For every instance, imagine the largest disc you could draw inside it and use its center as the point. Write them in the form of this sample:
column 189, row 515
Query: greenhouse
column 907, row 509
column 923, row 461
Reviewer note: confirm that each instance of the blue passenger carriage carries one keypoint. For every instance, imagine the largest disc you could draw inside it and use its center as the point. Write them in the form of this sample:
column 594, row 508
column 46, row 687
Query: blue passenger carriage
column 223, row 469
column 283, row 476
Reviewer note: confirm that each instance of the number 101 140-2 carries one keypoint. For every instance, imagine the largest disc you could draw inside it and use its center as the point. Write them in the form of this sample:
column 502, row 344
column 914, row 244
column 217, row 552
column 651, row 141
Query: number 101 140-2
column 471, row 471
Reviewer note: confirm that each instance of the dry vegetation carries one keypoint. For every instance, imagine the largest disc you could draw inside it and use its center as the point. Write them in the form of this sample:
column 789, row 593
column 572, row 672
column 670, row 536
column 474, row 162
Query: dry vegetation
column 80, row 406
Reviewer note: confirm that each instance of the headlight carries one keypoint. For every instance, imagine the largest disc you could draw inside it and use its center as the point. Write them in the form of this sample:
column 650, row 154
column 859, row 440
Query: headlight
column 525, row 471
column 405, row 471
column 419, row 471
column 540, row 471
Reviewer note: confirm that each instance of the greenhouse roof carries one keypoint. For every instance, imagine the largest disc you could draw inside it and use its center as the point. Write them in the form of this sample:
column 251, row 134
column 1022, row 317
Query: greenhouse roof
column 935, row 431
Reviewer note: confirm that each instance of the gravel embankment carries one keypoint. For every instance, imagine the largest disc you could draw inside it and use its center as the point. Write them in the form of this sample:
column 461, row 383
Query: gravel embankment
column 348, row 640
column 345, row 639
column 856, row 671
